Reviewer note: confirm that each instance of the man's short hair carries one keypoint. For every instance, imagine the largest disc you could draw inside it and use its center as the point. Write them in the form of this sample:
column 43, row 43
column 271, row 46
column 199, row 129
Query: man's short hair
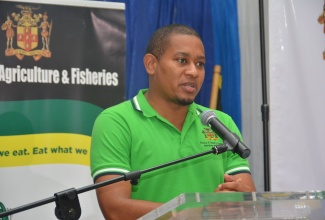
column 160, row 38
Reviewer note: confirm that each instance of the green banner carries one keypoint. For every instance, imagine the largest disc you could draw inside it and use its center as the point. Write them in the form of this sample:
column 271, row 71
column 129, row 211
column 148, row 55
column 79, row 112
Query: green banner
column 61, row 64
column 59, row 67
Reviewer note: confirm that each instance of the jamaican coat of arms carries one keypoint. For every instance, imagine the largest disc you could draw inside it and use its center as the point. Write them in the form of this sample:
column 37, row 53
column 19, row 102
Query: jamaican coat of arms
column 32, row 35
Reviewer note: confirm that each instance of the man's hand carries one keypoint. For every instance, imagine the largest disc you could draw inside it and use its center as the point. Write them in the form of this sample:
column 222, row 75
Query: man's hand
column 237, row 183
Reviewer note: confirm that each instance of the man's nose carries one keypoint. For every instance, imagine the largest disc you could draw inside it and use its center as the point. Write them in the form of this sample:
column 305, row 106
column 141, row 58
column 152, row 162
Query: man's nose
column 192, row 70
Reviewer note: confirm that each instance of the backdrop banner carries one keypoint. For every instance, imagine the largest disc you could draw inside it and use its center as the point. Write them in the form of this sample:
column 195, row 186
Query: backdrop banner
column 61, row 64
column 297, row 77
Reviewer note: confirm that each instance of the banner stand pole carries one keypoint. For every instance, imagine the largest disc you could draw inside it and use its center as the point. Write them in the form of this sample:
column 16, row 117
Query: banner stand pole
column 265, row 106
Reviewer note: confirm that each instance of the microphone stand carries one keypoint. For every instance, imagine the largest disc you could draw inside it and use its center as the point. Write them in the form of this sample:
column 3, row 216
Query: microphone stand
column 67, row 202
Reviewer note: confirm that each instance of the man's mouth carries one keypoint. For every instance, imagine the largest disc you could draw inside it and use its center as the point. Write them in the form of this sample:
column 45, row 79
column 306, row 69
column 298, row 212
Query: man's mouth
column 189, row 87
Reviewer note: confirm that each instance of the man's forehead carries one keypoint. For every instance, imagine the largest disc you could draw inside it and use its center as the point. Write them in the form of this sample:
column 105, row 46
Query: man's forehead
column 184, row 44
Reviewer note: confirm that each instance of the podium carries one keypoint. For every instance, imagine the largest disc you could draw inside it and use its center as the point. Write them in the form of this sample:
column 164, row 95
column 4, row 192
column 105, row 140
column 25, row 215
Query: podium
column 238, row 205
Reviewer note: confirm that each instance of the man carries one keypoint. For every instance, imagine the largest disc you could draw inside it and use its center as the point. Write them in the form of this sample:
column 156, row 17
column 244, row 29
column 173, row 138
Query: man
column 45, row 25
column 159, row 125
column 10, row 33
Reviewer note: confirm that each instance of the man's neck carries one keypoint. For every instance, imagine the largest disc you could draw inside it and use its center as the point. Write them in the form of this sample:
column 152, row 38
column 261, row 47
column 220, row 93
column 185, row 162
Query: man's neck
column 173, row 112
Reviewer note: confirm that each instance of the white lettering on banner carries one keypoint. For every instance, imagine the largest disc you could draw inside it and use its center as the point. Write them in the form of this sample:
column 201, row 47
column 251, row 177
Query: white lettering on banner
column 88, row 77
column 34, row 75
column 53, row 76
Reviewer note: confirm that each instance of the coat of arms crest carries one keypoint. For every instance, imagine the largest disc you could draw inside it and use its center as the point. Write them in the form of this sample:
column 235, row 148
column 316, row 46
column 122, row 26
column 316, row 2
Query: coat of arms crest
column 27, row 36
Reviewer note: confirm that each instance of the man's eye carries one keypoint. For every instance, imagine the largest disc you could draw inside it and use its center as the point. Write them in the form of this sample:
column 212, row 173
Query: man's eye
column 181, row 60
column 200, row 64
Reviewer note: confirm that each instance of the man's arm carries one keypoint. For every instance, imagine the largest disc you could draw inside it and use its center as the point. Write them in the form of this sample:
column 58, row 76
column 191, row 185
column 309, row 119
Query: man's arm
column 241, row 182
column 116, row 203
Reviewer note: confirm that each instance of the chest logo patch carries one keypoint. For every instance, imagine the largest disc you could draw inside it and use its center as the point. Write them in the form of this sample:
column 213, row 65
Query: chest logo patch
column 209, row 134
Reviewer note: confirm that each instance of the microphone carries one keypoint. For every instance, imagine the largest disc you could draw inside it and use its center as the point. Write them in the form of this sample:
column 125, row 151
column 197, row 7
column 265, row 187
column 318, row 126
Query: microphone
column 209, row 118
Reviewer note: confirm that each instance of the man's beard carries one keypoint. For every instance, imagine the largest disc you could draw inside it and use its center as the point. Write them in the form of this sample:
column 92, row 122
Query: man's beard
column 184, row 102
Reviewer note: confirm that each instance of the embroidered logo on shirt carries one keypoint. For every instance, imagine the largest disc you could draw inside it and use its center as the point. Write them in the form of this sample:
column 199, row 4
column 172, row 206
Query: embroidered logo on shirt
column 209, row 134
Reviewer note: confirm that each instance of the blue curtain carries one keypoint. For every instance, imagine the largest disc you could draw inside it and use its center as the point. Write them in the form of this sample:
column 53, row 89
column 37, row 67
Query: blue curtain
column 227, row 55
column 143, row 17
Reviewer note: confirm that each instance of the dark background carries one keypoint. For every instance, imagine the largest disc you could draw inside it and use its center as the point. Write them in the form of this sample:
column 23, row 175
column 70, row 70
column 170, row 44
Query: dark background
column 92, row 38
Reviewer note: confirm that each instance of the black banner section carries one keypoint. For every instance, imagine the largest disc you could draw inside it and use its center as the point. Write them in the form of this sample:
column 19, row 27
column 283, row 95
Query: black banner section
column 61, row 52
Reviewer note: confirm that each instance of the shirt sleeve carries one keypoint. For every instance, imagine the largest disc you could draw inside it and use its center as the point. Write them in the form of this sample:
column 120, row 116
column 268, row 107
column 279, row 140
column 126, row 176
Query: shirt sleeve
column 235, row 164
column 110, row 145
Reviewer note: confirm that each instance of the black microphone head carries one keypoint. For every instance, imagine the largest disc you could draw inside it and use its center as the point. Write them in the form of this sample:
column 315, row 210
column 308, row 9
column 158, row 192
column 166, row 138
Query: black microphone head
column 206, row 116
column 242, row 150
column 245, row 153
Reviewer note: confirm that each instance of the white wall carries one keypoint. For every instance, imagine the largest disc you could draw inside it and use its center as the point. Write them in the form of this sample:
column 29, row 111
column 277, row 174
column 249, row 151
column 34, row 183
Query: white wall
column 251, row 86
column 297, row 79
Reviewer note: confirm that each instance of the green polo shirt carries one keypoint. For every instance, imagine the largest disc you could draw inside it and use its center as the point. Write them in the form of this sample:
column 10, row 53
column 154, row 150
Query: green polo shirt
column 133, row 136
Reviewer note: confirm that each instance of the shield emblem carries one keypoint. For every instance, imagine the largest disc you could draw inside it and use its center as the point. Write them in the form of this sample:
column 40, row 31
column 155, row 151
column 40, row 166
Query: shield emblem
column 27, row 37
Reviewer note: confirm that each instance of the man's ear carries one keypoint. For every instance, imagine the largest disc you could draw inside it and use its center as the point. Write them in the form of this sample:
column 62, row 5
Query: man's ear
column 150, row 63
